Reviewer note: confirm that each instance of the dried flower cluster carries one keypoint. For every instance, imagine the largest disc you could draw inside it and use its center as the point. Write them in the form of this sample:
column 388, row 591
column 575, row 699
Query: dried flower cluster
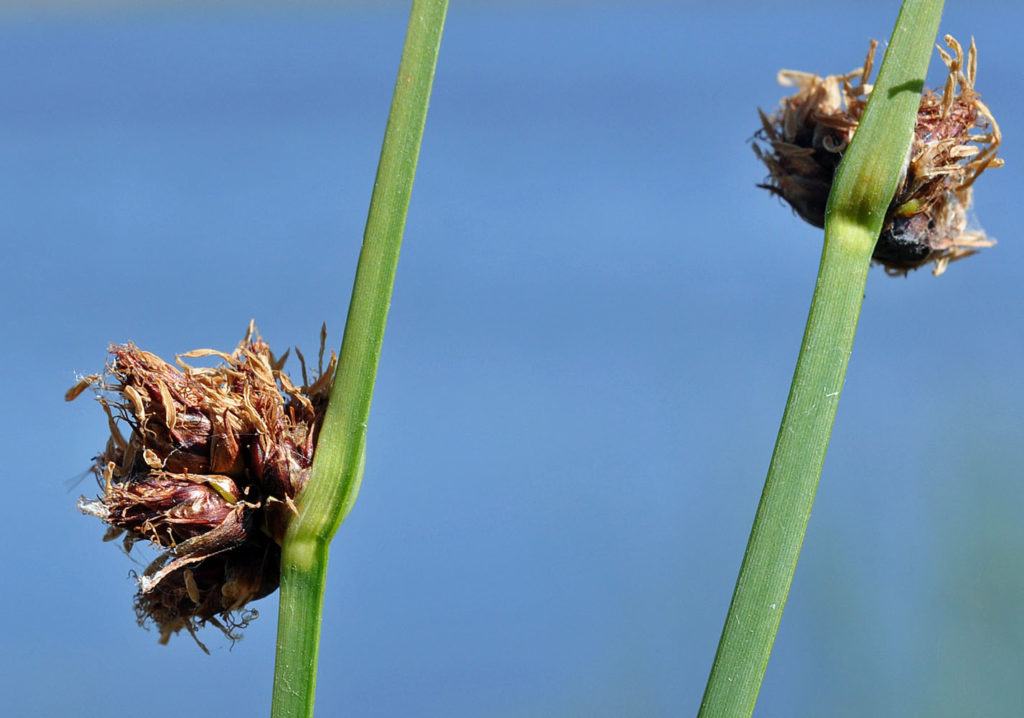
column 208, row 474
column 956, row 139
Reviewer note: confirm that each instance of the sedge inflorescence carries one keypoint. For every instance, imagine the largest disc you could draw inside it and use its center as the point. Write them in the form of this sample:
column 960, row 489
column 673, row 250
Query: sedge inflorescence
column 955, row 139
column 214, row 459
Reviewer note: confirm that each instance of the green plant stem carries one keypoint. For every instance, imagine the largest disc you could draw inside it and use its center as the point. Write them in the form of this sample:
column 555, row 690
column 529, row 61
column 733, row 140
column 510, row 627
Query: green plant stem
column 338, row 465
column 865, row 184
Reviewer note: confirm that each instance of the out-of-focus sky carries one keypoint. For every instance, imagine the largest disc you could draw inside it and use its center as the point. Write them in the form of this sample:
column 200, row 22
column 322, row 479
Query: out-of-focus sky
column 591, row 340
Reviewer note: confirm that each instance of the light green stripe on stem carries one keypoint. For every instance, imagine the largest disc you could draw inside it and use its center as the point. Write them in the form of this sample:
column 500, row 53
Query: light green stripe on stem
column 865, row 183
column 340, row 454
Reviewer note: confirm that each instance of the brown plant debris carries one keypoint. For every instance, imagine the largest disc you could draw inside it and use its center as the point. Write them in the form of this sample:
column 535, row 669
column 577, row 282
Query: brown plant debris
column 208, row 474
column 955, row 140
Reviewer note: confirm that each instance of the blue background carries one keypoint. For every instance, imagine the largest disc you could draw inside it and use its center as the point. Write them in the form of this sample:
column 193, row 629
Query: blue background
column 592, row 335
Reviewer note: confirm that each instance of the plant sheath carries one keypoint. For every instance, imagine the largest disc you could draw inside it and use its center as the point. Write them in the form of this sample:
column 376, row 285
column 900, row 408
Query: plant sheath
column 864, row 185
column 338, row 462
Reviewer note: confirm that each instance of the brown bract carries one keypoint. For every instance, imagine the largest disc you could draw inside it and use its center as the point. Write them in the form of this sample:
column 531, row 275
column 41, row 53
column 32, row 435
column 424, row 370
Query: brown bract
column 213, row 461
column 955, row 140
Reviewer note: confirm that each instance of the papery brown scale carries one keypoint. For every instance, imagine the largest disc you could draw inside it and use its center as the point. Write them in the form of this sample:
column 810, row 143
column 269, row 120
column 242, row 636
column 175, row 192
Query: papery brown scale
column 225, row 449
column 223, row 584
column 165, row 508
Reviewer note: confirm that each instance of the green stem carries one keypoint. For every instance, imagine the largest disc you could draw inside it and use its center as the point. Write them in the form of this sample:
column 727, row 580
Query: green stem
column 338, row 466
column 864, row 185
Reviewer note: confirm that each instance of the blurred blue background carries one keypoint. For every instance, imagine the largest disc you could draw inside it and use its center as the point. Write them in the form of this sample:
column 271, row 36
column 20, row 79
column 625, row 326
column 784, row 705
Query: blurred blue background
column 592, row 335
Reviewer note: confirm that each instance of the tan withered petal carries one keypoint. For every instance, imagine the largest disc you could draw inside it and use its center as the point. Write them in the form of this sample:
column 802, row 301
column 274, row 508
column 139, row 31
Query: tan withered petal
column 956, row 139
column 208, row 474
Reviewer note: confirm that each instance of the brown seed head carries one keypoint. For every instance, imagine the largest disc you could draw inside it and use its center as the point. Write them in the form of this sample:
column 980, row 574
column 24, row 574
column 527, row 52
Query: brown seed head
column 214, row 460
column 956, row 139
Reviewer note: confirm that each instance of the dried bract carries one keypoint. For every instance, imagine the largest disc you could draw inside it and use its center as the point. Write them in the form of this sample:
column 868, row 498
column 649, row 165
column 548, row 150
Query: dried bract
column 955, row 140
column 208, row 474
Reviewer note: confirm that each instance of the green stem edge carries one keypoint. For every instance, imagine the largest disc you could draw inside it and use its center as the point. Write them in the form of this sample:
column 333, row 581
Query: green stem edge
column 864, row 185
column 341, row 448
